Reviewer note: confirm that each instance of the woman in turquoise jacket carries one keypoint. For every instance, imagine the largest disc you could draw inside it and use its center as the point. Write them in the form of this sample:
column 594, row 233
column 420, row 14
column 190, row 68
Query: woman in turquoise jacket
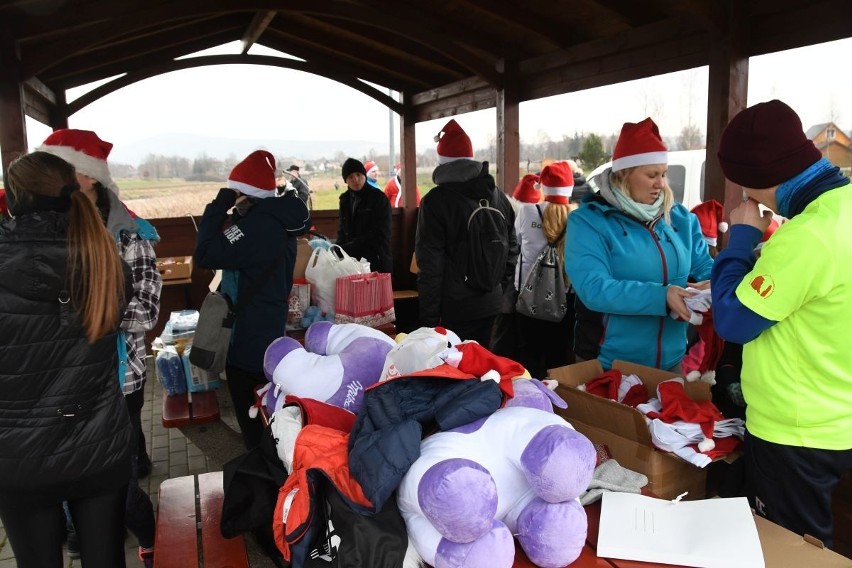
column 630, row 251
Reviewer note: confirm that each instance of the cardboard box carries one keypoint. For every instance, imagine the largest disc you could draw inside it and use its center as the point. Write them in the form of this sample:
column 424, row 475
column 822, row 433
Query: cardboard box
column 786, row 549
column 303, row 254
column 175, row 267
column 623, row 429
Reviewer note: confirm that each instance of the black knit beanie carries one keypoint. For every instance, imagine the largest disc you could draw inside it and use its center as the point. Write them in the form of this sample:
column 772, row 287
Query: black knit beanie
column 351, row 166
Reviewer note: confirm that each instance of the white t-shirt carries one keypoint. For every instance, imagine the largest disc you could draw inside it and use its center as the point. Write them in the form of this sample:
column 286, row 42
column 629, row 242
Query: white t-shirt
column 530, row 238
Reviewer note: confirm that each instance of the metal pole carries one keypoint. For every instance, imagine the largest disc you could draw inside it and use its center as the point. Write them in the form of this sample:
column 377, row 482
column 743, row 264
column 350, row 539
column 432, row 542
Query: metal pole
column 391, row 157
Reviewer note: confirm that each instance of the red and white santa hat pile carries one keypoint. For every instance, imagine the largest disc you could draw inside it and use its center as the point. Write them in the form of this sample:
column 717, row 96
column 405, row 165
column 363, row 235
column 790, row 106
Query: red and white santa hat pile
column 639, row 144
column 84, row 150
column 453, row 144
column 557, row 182
column 255, row 175
column 711, row 216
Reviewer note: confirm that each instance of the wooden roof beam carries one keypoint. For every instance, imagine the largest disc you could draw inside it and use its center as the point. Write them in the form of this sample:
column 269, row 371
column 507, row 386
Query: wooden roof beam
column 243, row 59
column 256, row 28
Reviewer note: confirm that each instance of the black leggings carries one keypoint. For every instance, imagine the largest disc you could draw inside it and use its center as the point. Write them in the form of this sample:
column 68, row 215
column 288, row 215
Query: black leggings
column 242, row 385
column 36, row 530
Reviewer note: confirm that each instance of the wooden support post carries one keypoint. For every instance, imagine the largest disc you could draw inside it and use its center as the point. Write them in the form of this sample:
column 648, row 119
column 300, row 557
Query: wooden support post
column 508, row 134
column 13, row 127
column 727, row 95
column 408, row 159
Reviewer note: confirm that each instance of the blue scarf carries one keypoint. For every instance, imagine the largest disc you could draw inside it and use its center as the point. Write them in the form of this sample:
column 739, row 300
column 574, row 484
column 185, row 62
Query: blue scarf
column 798, row 192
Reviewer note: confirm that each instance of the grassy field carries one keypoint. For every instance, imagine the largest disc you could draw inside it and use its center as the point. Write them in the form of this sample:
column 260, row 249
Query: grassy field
column 155, row 199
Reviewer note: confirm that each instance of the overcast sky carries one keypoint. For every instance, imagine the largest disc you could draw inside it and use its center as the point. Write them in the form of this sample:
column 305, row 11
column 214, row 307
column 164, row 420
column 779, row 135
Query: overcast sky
column 248, row 101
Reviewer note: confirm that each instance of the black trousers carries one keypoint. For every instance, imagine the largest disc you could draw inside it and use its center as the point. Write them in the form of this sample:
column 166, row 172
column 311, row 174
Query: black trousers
column 242, row 385
column 793, row 486
column 36, row 530
column 478, row 330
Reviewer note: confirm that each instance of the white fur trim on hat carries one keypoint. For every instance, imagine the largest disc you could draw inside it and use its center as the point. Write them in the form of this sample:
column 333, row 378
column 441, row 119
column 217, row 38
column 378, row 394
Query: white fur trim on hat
column 83, row 163
column 711, row 241
column 565, row 191
column 448, row 159
column 250, row 189
column 646, row 159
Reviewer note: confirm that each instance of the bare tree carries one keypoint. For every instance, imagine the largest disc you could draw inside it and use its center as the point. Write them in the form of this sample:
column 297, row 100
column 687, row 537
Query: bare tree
column 690, row 138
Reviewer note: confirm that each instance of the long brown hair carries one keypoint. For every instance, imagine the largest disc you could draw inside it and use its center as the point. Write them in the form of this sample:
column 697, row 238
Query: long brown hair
column 94, row 274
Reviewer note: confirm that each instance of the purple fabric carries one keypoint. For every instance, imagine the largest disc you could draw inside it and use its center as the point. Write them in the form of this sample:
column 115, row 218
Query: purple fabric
column 276, row 351
column 316, row 337
column 495, row 549
column 559, row 463
column 459, row 498
column 362, row 362
column 532, row 393
column 552, row 534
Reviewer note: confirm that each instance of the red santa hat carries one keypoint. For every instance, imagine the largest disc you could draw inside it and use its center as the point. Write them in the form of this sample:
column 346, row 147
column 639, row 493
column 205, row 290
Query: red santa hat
column 255, row 175
column 526, row 191
column 84, row 150
column 4, row 206
column 371, row 167
column 676, row 405
column 770, row 230
column 711, row 216
column 557, row 182
column 639, row 144
column 703, row 357
column 453, row 143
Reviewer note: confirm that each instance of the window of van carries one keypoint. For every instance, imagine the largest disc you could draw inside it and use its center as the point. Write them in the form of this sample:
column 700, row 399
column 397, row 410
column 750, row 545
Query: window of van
column 677, row 178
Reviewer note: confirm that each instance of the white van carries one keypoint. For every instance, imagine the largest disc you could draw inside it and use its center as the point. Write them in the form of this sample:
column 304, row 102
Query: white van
column 686, row 176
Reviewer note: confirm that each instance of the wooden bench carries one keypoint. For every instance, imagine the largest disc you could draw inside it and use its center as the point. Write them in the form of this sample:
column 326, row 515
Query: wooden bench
column 181, row 410
column 189, row 513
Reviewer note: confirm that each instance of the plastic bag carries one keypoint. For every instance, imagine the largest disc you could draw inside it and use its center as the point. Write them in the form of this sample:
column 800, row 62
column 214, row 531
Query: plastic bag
column 323, row 270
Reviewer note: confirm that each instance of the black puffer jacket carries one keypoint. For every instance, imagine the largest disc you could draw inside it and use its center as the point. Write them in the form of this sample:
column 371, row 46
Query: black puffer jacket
column 441, row 227
column 64, row 427
column 365, row 227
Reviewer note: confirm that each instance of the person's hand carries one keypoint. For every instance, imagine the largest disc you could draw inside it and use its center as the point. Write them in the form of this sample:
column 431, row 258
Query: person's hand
column 703, row 285
column 675, row 303
column 748, row 213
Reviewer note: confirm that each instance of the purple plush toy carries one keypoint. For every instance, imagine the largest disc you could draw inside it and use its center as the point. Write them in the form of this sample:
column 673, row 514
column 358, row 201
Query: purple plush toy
column 336, row 364
column 518, row 471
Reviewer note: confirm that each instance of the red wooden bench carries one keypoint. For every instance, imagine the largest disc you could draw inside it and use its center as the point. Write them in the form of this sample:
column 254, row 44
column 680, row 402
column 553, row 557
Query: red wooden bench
column 189, row 513
column 181, row 410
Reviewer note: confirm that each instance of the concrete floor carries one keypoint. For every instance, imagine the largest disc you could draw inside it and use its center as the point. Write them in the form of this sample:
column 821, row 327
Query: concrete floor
column 174, row 453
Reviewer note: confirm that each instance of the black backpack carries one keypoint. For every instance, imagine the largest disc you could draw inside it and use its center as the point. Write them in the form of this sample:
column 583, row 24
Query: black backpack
column 484, row 250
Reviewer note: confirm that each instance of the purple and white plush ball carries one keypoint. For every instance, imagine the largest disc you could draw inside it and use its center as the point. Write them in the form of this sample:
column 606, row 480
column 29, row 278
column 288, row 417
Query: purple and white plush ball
column 337, row 374
column 519, row 471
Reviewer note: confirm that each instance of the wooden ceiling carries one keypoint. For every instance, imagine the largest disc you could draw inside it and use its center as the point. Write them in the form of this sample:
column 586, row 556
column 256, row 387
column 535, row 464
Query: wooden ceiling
column 446, row 57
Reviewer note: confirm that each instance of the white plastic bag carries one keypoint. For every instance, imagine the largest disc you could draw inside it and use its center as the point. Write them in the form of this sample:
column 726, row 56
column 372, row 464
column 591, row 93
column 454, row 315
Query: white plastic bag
column 324, row 268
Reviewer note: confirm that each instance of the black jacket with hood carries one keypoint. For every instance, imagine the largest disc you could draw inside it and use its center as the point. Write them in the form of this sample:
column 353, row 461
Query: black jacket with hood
column 64, row 427
column 365, row 227
column 259, row 236
column 441, row 227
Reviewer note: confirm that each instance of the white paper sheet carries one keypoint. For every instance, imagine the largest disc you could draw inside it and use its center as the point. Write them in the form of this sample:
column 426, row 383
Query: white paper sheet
column 711, row 533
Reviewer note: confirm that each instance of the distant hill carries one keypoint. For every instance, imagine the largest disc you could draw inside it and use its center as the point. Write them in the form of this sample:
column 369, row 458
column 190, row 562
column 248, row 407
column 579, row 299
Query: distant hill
column 191, row 146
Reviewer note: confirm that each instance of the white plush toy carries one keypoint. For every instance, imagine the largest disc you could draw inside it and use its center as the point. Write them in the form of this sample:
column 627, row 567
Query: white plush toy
column 336, row 364
column 517, row 472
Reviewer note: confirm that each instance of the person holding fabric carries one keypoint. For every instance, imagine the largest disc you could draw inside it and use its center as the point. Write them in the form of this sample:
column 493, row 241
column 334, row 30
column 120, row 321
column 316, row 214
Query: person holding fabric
column 65, row 434
column 630, row 251
column 135, row 239
column 365, row 219
column 257, row 252
column 544, row 345
column 790, row 308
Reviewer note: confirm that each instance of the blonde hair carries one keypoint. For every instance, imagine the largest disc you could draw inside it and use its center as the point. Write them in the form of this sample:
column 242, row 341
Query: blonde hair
column 94, row 272
column 620, row 182
column 554, row 223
